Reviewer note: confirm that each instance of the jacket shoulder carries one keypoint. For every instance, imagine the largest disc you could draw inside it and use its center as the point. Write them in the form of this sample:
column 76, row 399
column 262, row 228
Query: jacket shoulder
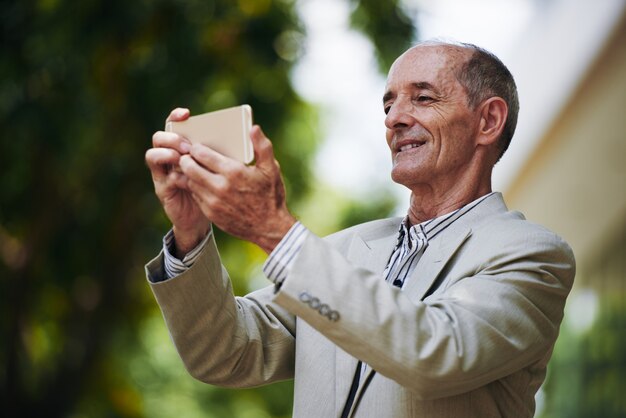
column 371, row 229
column 512, row 225
column 511, row 233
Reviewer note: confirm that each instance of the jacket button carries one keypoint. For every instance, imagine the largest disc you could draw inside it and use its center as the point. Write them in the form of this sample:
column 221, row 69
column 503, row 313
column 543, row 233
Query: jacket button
column 314, row 303
column 333, row 316
column 324, row 309
column 305, row 297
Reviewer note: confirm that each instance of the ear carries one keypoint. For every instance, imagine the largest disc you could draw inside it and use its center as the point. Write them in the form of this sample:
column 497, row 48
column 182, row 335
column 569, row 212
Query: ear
column 493, row 113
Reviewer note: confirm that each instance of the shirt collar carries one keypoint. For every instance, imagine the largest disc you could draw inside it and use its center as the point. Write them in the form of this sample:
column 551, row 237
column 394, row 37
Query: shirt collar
column 433, row 227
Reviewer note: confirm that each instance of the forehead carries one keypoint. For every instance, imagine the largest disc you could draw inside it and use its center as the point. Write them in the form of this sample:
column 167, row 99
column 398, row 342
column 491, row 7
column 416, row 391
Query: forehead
column 433, row 64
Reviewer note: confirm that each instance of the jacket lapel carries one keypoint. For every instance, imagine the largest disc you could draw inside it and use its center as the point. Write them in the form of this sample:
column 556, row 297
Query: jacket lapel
column 430, row 265
column 445, row 245
column 371, row 249
column 363, row 385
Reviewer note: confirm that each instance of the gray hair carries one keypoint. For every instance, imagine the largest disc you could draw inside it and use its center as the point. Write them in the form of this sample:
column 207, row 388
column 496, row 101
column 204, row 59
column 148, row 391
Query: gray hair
column 483, row 76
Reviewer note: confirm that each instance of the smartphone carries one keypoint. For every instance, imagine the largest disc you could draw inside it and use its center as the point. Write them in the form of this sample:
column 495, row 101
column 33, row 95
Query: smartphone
column 227, row 131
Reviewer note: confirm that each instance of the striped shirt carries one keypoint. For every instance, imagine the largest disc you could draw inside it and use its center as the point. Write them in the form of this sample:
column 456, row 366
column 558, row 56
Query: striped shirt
column 172, row 265
column 413, row 240
column 277, row 266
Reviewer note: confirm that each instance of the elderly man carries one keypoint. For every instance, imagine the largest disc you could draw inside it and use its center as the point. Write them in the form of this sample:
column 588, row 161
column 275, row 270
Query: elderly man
column 452, row 311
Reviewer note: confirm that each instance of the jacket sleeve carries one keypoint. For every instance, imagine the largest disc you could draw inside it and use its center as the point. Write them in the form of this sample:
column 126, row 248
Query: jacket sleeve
column 222, row 339
column 489, row 317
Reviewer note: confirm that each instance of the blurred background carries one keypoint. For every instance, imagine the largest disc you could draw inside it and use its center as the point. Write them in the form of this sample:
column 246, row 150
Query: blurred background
column 83, row 85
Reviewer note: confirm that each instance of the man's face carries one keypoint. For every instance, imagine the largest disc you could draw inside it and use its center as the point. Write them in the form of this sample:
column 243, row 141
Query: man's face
column 430, row 127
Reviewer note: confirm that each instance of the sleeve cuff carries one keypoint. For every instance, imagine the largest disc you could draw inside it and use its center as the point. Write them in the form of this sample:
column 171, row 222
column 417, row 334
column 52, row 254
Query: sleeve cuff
column 280, row 261
column 172, row 265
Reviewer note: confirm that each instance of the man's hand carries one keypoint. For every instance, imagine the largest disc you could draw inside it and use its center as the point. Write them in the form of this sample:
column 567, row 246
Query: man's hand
column 190, row 225
column 245, row 201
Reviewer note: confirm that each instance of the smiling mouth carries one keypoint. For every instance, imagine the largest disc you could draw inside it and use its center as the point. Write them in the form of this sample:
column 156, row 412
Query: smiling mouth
column 412, row 145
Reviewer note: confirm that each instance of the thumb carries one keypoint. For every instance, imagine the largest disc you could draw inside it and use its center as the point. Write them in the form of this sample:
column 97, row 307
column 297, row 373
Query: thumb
column 178, row 114
column 263, row 149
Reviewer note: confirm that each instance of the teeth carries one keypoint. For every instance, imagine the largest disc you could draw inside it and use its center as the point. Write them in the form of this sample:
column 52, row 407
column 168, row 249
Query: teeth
column 409, row 146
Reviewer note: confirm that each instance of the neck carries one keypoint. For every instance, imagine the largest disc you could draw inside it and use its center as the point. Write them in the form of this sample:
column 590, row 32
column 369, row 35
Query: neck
column 429, row 202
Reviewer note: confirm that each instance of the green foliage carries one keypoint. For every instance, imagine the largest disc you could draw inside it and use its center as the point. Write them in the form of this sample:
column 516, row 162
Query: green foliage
column 587, row 372
column 390, row 29
column 83, row 85
column 379, row 206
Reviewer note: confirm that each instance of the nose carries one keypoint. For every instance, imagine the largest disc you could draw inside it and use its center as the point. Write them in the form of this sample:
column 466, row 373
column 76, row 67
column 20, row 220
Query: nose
column 399, row 115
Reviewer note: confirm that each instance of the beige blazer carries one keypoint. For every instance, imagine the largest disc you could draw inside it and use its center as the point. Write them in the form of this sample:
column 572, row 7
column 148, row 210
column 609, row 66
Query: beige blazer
column 469, row 335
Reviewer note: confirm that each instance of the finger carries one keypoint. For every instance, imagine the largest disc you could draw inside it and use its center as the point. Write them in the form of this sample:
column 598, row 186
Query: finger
column 176, row 181
column 263, row 149
column 159, row 161
column 162, row 139
column 170, row 184
column 204, row 200
column 201, row 194
column 213, row 160
column 203, row 178
column 178, row 114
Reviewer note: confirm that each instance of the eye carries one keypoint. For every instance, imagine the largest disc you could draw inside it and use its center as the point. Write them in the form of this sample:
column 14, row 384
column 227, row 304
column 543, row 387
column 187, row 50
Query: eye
column 387, row 108
column 424, row 98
